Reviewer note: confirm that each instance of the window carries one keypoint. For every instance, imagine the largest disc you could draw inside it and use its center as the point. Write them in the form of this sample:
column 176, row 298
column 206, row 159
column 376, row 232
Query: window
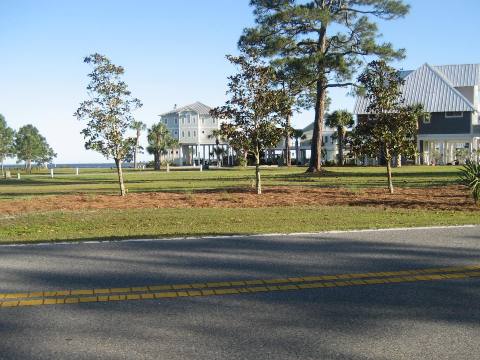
column 203, row 132
column 453, row 114
column 188, row 134
column 194, row 133
column 183, row 133
column 203, row 121
column 165, row 121
column 176, row 121
column 176, row 132
column 426, row 119
column 183, row 121
column 188, row 118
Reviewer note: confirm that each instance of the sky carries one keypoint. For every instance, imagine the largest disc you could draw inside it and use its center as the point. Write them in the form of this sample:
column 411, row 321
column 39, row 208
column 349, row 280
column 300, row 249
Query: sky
column 173, row 53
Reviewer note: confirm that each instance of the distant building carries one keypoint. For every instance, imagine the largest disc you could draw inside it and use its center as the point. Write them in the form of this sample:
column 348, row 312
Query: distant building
column 192, row 126
column 450, row 94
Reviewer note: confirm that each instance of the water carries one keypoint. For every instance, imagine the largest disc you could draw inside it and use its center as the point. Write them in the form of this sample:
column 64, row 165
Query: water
column 72, row 166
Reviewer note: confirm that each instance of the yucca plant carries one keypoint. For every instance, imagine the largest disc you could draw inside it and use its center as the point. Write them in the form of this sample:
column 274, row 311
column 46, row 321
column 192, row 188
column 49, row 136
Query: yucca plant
column 470, row 176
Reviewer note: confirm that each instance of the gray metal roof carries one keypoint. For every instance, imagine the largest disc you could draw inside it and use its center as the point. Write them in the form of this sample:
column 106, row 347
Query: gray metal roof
column 430, row 87
column 197, row 107
column 461, row 75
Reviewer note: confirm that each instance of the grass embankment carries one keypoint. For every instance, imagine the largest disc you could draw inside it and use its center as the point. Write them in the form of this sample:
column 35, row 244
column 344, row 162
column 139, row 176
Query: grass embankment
column 155, row 223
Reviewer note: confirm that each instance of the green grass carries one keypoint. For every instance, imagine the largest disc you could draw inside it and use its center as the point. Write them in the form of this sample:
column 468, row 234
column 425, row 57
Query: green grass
column 96, row 181
column 154, row 223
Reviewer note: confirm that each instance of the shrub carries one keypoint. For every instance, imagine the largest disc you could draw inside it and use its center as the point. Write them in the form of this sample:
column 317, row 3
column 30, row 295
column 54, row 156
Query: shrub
column 470, row 176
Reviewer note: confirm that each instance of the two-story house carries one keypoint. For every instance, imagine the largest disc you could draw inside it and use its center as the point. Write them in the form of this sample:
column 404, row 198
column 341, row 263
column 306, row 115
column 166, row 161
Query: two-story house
column 450, row 95
column 192, row 126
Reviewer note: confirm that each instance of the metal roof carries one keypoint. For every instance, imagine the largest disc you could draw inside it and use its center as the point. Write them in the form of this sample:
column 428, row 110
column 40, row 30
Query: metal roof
column 461, row 75
column 197, row 107
column 430, row 87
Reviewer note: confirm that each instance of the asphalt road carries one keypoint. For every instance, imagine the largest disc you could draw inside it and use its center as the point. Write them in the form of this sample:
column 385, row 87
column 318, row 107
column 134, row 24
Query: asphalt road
column 412, row 320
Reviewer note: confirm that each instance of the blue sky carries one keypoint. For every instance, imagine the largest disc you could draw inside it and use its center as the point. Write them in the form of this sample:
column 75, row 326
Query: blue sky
column 173, row 52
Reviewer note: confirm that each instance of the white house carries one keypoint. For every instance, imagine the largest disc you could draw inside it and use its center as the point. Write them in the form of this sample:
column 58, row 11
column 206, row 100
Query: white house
column 192, row 126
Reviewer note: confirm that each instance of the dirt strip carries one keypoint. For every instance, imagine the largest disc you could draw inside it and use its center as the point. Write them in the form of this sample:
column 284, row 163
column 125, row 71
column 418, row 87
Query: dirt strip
column 435, row 198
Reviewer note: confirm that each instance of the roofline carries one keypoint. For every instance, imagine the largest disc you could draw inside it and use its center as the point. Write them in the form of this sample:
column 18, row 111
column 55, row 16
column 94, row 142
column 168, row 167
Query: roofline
column 445, row 80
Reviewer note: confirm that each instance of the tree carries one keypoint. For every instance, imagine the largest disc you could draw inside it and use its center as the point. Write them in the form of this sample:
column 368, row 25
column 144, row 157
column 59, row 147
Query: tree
column 470, row 176
column 138, row 126
column 326, row 40
column 108, row 112
column 298, row 135
column 46, row 157
column 254, row 110
column 238, row 144
column 7, row 136
column 159, row 141
column 340, row 119
column 30, row 146
column 296, row 94
column 391, row 128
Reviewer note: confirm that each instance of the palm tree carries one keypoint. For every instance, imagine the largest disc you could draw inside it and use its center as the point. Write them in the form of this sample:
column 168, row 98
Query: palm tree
column 138, row 126
column 340, row 119
column 159, row 141
column 298, row 134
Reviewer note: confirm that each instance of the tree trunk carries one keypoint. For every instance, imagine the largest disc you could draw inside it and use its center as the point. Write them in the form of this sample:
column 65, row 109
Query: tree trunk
column 135, row 154
column 118, row 164
column 297, row 151
column 288, row 158
column 156, row 160
column 340, row 145
column 258, row 181
column 2, row 169
column 399, row 160
column 316, row 149
column 29, row 166
column 388, row 160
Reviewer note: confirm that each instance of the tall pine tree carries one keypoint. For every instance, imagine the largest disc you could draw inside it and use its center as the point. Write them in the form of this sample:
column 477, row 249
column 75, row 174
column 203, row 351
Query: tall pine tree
column 327, row 41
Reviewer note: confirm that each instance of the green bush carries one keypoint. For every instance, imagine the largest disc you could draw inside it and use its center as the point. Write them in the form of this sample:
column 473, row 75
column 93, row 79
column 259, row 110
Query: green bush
column 470, row 176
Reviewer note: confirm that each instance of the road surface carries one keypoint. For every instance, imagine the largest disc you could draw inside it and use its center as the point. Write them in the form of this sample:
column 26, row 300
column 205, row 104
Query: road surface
column 399, row 294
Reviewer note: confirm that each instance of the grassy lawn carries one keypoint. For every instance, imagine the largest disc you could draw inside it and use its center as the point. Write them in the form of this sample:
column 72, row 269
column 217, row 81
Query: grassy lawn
column 154, row 223
column 96, row 181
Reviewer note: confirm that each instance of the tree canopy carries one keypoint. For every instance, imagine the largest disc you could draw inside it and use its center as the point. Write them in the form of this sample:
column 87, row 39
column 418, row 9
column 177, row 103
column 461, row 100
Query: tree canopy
column 7, row 135
column 341, row 120
column 159, row 141
column 254, row 111
column 390, row 128
column 30, row 146
column 324, row 42
column 108, row 112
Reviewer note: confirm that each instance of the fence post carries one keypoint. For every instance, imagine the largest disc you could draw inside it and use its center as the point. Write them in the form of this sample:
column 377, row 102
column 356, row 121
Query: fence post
column 76, row 171
column 51, row 173
column 18, row 175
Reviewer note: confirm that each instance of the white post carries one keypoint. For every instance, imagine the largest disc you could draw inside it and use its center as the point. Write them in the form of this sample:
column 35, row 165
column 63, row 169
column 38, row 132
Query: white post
column 76, row 171
column 18, row 176
column 51, row 173
column 201, row 167
column 168, row 167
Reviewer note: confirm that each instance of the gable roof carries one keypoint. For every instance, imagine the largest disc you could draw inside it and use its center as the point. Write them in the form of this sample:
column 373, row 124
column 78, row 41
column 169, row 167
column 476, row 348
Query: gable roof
column 197, row 107
column 430, row 87
column 461, row 75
